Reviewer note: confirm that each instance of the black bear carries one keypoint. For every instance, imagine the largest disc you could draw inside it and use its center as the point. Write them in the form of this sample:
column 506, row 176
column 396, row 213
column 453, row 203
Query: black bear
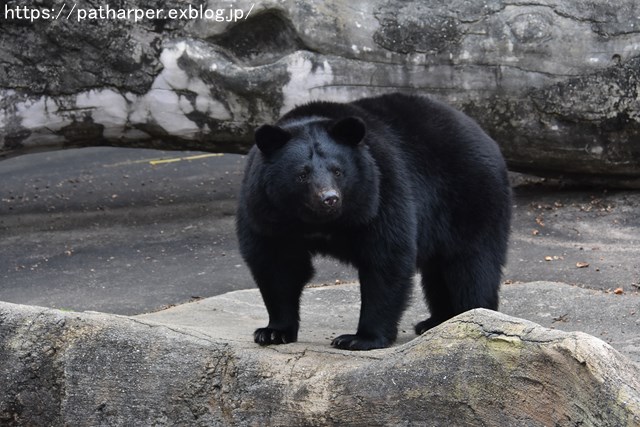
column 388, row 184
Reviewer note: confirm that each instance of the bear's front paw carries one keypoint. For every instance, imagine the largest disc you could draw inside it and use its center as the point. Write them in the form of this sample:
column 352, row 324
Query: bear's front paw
column 267, row 336
column 356, row 342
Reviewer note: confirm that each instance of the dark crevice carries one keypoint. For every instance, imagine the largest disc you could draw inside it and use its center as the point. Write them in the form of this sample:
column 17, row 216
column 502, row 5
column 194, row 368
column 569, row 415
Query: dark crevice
column 262, row 39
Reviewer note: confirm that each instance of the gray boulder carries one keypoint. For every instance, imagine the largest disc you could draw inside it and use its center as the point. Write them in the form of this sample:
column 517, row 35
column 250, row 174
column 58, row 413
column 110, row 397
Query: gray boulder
column 554, row 82
column 195, row 364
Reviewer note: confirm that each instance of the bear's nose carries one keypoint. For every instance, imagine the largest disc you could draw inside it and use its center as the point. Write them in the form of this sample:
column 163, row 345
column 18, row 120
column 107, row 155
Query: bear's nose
column 330, row 198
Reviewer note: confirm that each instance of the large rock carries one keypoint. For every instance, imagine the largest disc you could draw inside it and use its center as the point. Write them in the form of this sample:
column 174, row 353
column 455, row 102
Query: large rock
column 554, row 82
column 195, row 365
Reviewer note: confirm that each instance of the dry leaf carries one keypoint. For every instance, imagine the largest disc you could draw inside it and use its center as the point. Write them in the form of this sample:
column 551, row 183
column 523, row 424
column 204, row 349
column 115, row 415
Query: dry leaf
column 618, row 291
column 582, row 264
column 548, row 258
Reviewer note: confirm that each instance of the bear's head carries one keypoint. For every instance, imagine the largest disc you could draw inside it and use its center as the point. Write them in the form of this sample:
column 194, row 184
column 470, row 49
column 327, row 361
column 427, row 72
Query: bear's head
column 318, row 170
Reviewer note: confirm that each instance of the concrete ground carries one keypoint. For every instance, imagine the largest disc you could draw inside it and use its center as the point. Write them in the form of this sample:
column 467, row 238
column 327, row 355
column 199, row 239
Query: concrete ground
column 136, row 231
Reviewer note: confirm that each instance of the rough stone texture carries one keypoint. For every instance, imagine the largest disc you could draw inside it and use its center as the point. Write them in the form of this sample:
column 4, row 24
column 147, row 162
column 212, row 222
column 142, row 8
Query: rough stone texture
column 195, row 365
column 555, row 82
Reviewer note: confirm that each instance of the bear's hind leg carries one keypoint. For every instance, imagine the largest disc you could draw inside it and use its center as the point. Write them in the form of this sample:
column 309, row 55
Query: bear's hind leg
column 436, row 296
column 385, row 294
column 458, row 284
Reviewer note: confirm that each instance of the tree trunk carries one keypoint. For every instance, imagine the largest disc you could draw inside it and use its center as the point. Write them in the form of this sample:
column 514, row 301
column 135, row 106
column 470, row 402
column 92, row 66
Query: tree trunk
column 555, row 83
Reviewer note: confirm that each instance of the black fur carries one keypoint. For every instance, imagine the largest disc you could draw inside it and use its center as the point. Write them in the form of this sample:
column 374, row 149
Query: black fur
column 388, row 184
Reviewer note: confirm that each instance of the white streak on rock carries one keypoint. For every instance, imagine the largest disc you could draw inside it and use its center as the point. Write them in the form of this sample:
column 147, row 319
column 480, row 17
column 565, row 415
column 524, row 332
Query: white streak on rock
column 166, row 108
column 305, row 82
column 172, row 76
column 108, row 108
column 163, row 105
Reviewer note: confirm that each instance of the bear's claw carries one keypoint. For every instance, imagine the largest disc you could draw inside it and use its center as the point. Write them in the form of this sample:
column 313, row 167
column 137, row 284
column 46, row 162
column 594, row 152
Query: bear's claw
column 268, row 336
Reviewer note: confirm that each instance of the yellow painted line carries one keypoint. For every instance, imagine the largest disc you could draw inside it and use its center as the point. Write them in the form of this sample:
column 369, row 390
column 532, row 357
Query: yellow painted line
column 163, row 161
column 178, row 159
column 203, row 156
column 160, row 161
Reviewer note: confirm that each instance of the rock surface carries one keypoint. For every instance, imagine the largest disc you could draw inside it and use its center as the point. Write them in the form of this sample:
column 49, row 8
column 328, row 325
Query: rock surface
column 555, row 82
column 195, row 365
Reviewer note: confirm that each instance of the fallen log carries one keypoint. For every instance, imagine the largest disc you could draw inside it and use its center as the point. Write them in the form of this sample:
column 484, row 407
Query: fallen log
column 197, row 365
column 555, row 83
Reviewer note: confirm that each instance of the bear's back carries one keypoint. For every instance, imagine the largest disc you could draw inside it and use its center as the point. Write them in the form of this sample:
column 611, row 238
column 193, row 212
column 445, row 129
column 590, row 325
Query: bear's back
column 453, row 166
column 437, row 140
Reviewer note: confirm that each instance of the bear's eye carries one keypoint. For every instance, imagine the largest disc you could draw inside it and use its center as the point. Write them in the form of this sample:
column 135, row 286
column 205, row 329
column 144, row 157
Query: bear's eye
column 337, row 172
column 303, row 176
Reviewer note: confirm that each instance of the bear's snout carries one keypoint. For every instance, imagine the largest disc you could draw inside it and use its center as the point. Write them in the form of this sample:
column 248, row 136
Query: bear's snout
column 330, row 198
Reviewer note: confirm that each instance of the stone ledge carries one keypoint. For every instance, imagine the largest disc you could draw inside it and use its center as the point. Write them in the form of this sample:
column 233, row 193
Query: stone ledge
column 481, row 368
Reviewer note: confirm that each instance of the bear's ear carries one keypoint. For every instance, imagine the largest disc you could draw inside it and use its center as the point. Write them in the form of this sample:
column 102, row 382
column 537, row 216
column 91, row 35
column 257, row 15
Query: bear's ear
column 350, row 131
column 269, row 138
